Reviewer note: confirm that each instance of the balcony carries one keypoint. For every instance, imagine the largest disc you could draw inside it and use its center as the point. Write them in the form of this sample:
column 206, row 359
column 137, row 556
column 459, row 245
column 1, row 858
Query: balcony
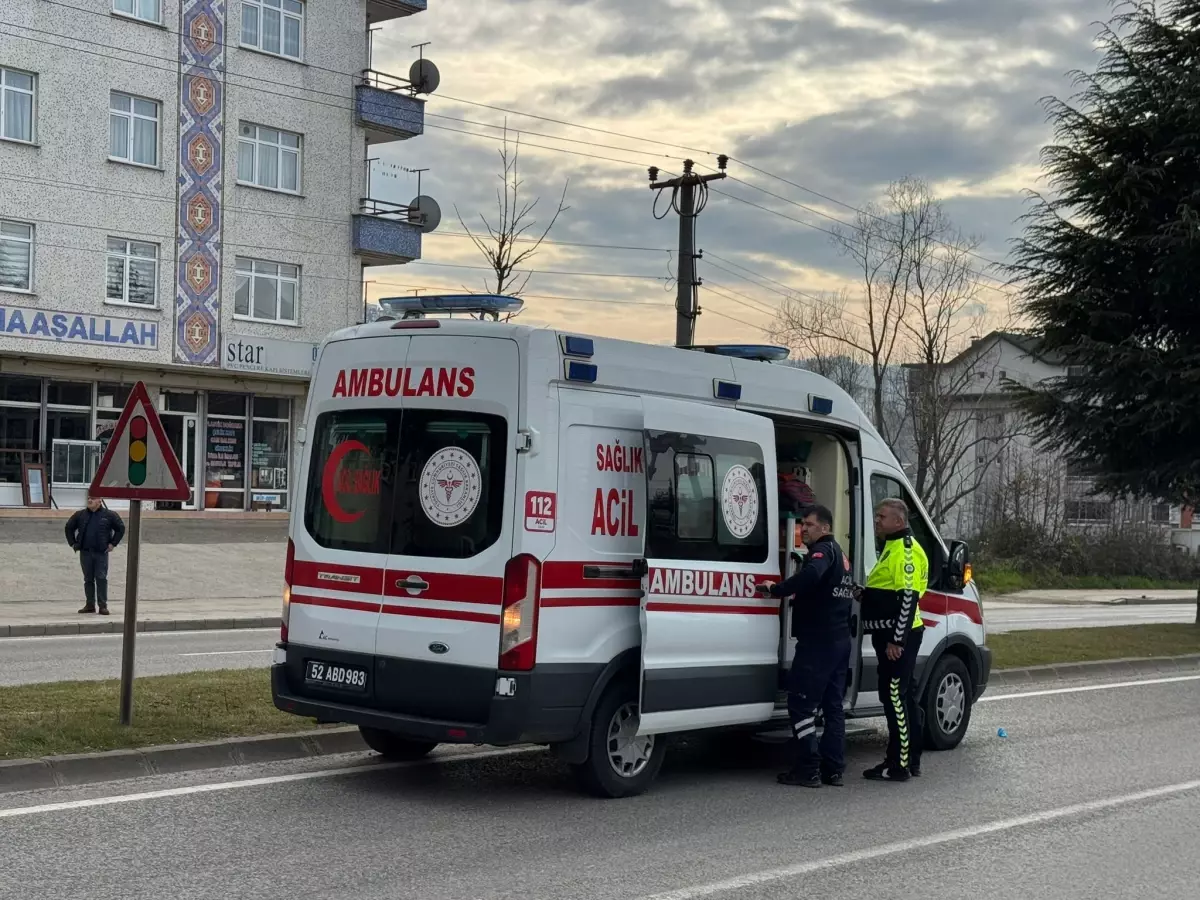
column 383, row 234
column 386, row 108
column 386, row 10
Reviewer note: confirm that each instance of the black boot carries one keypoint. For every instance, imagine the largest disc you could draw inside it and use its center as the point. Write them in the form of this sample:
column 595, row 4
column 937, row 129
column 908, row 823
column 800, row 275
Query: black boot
column 793, row 778
column 88, row 608
column 886, row 772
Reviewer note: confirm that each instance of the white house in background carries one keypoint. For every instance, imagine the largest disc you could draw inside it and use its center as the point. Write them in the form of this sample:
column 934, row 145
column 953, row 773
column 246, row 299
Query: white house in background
column 1017, row 478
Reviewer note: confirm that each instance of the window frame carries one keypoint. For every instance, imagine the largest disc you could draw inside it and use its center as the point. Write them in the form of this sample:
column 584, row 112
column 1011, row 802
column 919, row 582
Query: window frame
column 258, row 47
column 131, row 116
column 84, row 446
column 32, row 242
column 126, row 258
column 256, row 143
column 252, row 274
column 136, row 16
column 32, row 93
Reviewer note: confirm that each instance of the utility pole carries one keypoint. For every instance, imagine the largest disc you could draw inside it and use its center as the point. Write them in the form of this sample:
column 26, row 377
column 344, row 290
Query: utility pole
column 684, row 202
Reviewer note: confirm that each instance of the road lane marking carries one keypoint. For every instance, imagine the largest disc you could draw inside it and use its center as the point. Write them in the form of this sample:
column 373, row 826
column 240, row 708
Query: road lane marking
column 16, row 812
column 1079, row 689
column 224, row 652
column 869, row 854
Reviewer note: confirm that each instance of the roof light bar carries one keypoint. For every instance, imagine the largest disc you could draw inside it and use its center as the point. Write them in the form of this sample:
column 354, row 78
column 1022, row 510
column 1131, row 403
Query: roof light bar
column 493, row 305
column 759, row 352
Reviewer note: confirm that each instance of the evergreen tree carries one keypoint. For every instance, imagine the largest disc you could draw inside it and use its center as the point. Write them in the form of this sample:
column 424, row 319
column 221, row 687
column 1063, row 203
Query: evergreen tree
column 1109, row 263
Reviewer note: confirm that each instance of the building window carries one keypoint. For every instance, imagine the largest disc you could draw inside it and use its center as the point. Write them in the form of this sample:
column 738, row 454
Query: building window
column 74, row 463
column 225, row 452
column 17, row 91
column 68, row 418
column 268, row 158
column 266, row 291
column 133, row 129
column 270, row 429
column 146, row 10
column 16, row 255
column 1160, row 513
column 274, row 26
column 20, row 425
column 132, row 273
column 1084, row 511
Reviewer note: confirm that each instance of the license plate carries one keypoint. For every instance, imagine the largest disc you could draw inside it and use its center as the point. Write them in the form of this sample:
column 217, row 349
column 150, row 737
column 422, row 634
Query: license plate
column 347, row 678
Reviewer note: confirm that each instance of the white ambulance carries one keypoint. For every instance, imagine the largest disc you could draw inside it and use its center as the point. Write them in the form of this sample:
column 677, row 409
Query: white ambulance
column 512, row 535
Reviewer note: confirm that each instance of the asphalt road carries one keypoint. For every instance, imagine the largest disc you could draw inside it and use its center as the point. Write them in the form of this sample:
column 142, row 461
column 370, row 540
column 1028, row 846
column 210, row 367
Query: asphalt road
column 1094, row 793
column 89, row 657
column 1001, row 617
column 93, row 657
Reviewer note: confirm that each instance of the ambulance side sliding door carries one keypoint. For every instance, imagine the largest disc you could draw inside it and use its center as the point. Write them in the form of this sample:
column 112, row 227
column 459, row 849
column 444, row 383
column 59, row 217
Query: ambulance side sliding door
column 710, row 642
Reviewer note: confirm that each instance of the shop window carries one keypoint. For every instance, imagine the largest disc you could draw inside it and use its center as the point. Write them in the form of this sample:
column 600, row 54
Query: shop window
column 20, row 438
column 66, row 425
column 175, row 401
column 74, row 463
column 269, row 450
column 272, row 408
column 112, row 396
column 69, row 393
column 226, row 405
column 19, row 389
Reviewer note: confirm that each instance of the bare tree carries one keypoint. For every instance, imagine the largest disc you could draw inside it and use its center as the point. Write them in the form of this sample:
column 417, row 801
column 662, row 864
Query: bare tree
column 508, row 243
column 818, row 331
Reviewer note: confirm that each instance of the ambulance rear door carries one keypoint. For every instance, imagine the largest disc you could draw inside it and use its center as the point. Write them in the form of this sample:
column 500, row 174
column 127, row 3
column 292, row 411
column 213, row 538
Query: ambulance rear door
column 710, row 642
column 438, row 641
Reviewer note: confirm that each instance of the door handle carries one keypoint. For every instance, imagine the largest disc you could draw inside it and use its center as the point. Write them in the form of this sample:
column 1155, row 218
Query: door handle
column 414, row 584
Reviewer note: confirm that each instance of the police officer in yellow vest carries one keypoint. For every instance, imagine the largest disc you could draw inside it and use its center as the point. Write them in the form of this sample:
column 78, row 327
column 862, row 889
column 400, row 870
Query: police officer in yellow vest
column 891, row 615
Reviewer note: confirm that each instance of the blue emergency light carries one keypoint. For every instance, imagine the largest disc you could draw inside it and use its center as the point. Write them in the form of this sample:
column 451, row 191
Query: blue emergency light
column 581, row 371
column 821, row 406
column 727, row 390
column 493, row 305
column 578, row 346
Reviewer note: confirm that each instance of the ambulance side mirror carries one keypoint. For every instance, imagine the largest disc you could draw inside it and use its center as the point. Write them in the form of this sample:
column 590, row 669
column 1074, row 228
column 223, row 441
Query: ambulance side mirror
column 956, row 567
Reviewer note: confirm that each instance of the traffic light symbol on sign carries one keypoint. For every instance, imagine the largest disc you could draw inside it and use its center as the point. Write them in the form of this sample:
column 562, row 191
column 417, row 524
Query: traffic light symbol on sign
column 137, row 450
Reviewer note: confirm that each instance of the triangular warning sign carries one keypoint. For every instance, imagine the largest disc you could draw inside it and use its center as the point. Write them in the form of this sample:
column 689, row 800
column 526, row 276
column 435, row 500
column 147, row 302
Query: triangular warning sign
column 139, row 463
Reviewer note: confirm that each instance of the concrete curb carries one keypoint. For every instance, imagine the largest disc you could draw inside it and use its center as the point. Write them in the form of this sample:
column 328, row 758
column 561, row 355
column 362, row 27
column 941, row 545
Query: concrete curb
column 1163, row 665
column 89, row 768
column 115, row 625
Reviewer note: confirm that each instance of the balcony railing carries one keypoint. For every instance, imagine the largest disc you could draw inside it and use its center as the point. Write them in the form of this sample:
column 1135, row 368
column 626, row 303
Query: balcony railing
column 386, row 10
column 385, row 234
column 387, row 107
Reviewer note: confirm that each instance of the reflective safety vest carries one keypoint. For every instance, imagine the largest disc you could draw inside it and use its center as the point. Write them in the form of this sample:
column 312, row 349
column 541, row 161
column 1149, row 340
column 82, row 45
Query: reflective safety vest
column 892, row 597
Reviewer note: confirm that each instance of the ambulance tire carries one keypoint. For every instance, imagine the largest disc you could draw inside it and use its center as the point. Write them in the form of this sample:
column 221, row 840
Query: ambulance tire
column 394, row 748
column 947, row 703
column 640, row 757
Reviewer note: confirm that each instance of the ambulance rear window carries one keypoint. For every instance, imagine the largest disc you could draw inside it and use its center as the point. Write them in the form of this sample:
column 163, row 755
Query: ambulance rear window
column 417, row 483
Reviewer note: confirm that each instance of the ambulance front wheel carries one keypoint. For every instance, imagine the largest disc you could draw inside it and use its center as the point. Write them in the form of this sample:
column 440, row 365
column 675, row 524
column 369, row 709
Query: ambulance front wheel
column 619, row 762
column 392, row 746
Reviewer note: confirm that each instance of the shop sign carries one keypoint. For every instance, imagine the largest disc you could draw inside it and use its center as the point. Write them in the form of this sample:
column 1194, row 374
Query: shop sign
column 73, row 328
column 270, row 356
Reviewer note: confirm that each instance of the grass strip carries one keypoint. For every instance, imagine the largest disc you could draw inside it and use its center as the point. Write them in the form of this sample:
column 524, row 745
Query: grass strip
column 1020, row 649
column 81, row 716
column 1003, row 580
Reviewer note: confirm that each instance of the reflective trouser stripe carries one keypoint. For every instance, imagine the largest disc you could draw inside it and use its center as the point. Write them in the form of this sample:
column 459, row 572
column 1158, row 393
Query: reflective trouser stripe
column 805, row 727
column 901, row 720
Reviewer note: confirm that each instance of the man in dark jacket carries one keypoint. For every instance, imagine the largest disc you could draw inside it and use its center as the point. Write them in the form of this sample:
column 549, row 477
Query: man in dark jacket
column 824, row 593
column 92, row 533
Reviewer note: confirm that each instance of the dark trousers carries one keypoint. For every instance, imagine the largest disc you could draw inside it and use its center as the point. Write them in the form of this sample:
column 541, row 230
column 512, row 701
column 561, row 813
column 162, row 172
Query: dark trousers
column 818, row 681
column 901, row 705
column 95, row 577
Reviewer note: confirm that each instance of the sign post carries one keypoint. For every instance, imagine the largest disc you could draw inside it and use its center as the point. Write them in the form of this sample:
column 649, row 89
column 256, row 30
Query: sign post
column 138, row 465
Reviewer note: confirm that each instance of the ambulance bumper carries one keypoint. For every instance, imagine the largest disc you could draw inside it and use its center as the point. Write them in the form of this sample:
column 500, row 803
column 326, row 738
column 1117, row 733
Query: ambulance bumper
column 985, row 671
column 527, row 715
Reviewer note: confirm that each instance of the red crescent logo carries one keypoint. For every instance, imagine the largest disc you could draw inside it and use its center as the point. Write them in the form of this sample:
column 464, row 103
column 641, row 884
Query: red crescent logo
column 329, row 480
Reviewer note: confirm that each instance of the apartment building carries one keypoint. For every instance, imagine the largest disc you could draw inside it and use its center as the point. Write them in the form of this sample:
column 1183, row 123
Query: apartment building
column 183, row 201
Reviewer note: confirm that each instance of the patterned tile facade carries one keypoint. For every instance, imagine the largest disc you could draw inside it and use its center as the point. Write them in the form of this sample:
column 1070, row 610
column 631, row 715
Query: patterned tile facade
column 201, row 136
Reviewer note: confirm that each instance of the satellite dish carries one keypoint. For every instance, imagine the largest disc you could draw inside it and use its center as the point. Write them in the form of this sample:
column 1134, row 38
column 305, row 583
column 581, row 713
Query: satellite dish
column 424, row 76
column 425, row 213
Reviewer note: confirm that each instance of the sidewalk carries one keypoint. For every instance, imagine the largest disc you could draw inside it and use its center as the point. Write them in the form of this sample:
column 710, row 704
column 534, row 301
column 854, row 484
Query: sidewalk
column 1130, row 597
column 54, row 617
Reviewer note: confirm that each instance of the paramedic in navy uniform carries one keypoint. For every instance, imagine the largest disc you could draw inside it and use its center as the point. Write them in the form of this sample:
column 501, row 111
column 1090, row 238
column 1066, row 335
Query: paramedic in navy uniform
column 824, row 591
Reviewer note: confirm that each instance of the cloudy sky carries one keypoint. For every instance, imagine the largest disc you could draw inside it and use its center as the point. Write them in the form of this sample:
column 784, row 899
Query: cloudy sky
column 836, row 96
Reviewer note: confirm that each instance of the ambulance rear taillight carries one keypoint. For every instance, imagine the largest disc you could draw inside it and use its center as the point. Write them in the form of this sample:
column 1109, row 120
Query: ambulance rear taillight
column 288, row 567
column 519, row 617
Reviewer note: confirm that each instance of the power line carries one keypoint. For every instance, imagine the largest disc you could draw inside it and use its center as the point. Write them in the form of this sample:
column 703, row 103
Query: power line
column 417, row 262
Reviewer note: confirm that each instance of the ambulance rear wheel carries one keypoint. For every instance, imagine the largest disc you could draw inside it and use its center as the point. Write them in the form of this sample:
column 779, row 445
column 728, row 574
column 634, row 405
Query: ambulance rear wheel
column 619, row 763
column 947, row 704
column 393, row 747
